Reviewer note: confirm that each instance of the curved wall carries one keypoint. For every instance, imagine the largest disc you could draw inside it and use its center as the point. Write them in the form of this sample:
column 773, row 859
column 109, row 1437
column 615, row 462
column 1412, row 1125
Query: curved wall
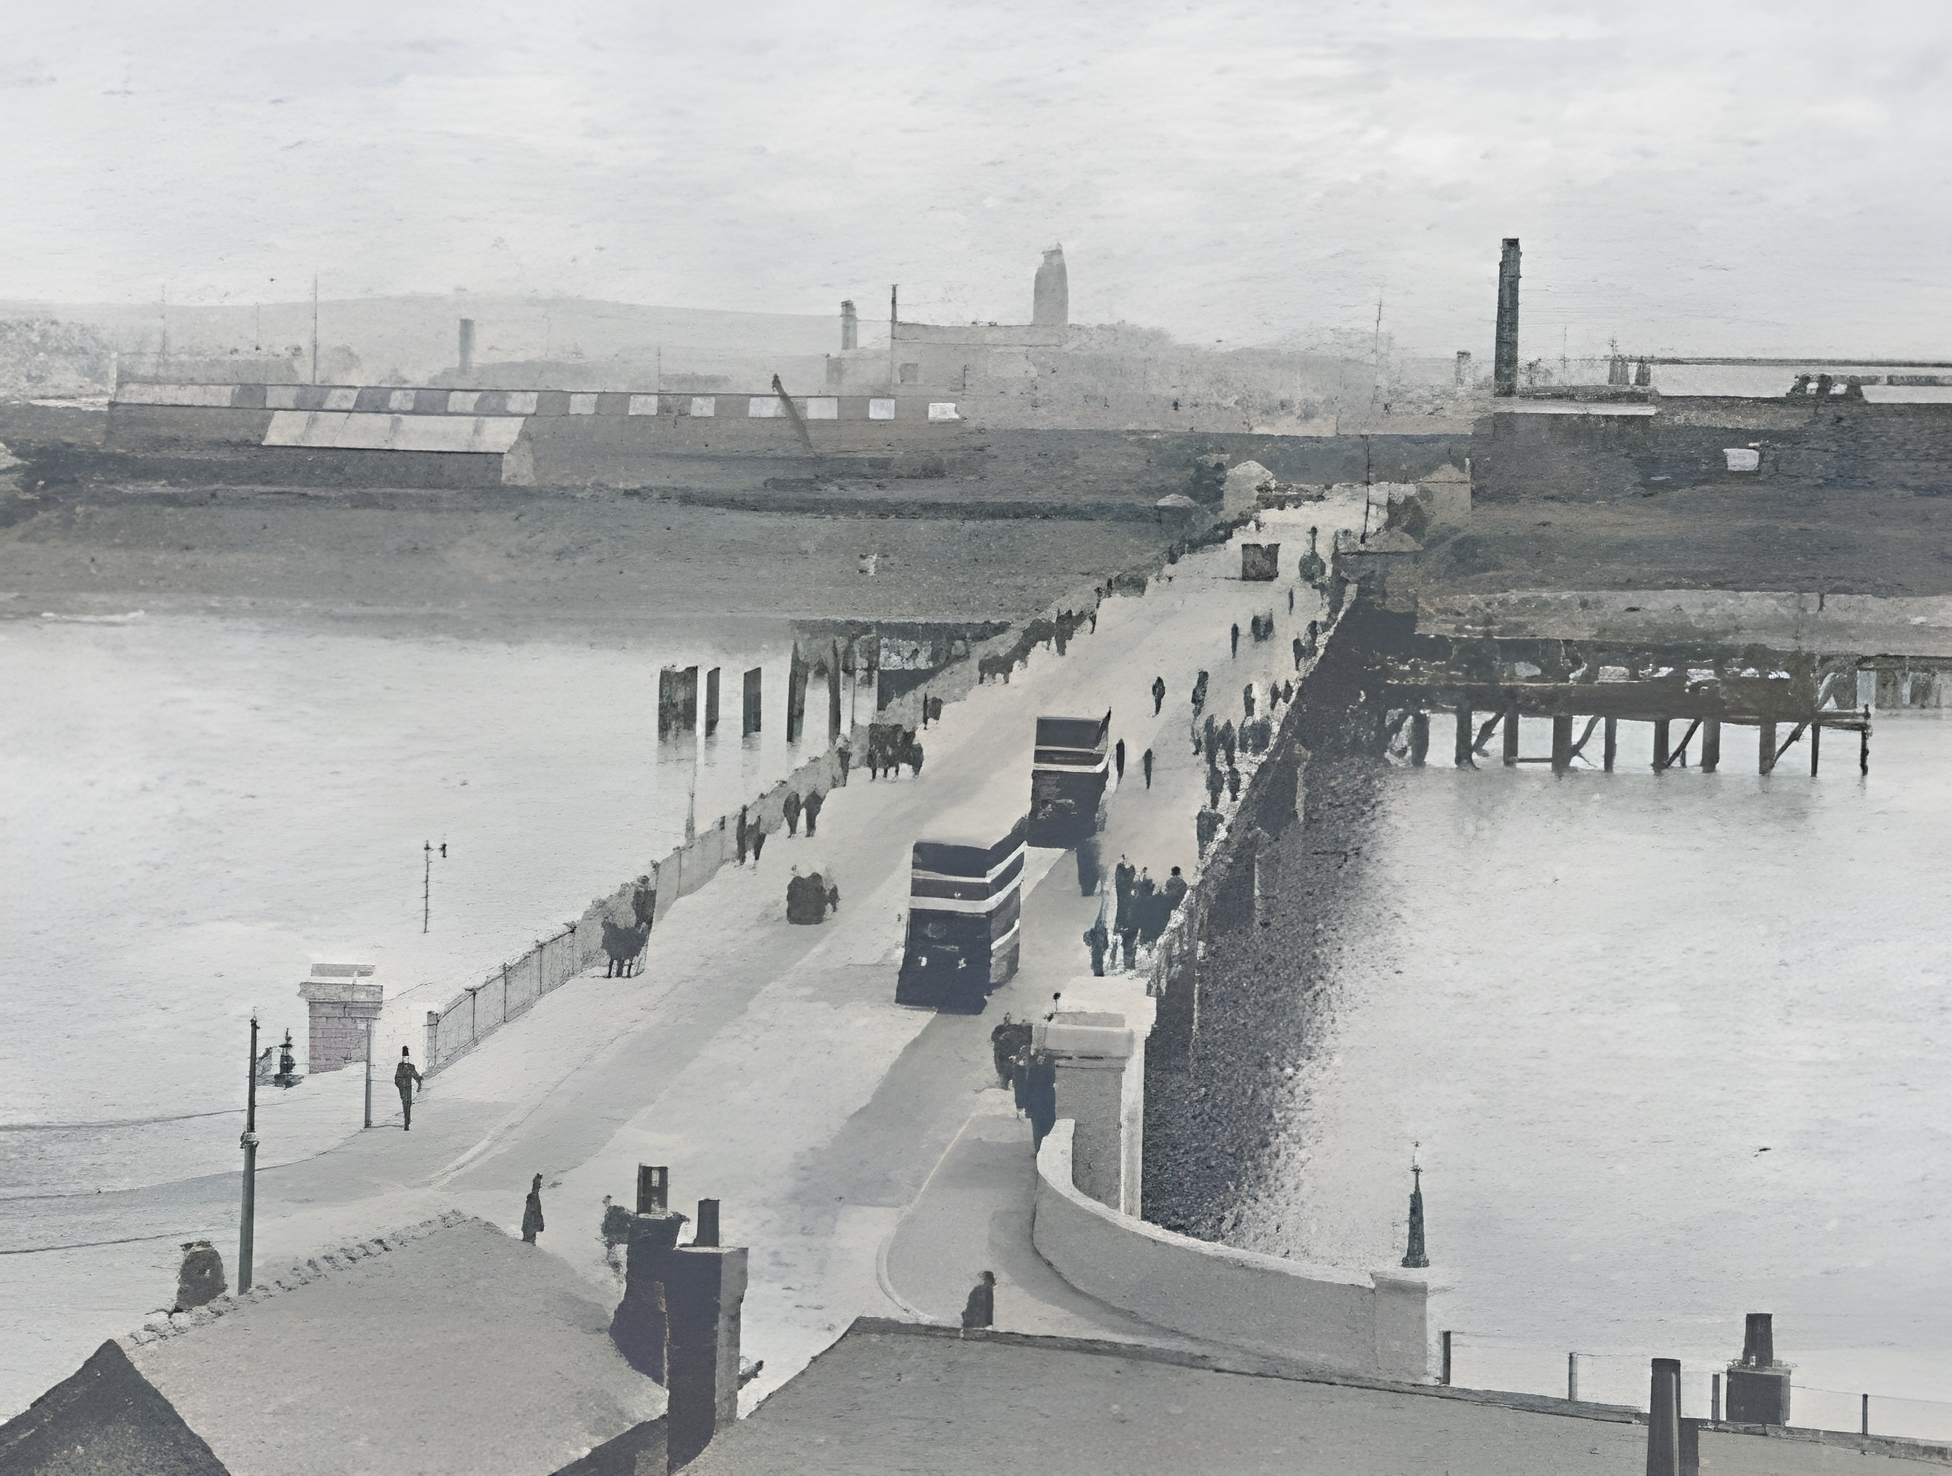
column 1347, row 1321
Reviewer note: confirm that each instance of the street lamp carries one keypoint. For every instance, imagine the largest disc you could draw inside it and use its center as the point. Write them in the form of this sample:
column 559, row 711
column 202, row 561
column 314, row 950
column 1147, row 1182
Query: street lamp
column 249, row 1143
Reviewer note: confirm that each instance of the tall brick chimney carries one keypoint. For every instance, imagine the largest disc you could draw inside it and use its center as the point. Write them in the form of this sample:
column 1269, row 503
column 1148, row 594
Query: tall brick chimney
column 1505, row 365
column 679, row 1320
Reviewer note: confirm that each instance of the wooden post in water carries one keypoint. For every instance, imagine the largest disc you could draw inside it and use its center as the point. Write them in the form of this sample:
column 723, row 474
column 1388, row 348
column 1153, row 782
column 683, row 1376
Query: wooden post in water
column 1462, row 757
column 1612, row 742
column 1816, row 746
column 1766, row 749
column 1711, row 745
column 1864, row 745
column 1660, row 745
column 1561, row 744
column 1511, row 735
column 1419, row 738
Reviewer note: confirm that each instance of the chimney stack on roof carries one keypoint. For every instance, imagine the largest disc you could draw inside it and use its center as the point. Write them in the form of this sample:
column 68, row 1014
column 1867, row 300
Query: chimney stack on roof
column 678, row 1323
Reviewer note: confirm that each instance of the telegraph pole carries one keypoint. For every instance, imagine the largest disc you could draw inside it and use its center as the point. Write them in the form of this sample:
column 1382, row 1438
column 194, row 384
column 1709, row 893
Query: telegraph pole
column 249, row 1142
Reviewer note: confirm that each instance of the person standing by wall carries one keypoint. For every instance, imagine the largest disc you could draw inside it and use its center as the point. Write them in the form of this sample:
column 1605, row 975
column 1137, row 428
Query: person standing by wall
column 791, row 806
column 980, row 1309
column 406, row 1076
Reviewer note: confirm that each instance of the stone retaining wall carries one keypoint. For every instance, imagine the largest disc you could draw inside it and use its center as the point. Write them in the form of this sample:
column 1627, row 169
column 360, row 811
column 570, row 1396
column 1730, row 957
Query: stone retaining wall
column 1348, row 1321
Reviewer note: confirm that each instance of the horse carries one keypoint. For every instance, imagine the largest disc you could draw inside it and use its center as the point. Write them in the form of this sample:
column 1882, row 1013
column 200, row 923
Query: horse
column 626, row 949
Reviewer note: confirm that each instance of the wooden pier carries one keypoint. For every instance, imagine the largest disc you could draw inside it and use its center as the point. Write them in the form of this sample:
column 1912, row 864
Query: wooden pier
column 1588, row 691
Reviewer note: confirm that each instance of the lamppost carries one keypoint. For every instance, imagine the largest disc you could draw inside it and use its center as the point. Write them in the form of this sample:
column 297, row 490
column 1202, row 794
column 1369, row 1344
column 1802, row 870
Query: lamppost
column 426, row 883
column 249, row 1142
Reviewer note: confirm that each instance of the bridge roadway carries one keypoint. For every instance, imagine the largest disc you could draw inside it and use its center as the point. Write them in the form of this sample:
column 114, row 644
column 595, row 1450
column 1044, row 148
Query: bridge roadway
column 863, row 1151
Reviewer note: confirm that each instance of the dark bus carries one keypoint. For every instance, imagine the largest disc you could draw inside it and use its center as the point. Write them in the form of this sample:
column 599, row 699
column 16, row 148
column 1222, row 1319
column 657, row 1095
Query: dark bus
column 964, row 908
column 1067, row 779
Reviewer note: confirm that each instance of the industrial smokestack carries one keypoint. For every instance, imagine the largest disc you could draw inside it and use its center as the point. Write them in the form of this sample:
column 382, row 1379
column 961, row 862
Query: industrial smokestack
column 467, row 344
column 1505, row 367
column 850, row 327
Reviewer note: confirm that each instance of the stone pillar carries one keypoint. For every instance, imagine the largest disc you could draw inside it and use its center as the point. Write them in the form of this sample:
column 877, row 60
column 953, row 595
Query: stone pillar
column 1664, row 1419
column 1092, row 1052
column 1419, row 738
column 344, row 1001
column 1402, row 1326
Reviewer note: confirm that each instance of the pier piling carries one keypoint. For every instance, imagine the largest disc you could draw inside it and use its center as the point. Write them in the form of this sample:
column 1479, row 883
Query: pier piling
column 1511, row 735
column 1766, row 749
column 1419, row 738
column 1612, row 742
column 1561, row 744
column 1462, row 757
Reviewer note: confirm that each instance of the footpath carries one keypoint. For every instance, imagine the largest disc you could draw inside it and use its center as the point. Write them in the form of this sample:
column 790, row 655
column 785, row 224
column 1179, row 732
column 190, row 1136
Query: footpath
column 865, row 1152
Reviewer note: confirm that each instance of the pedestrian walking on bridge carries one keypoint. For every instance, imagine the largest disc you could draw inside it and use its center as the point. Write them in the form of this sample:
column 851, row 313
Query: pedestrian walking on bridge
column 406, row 1076
column 1145, row 763
column 532, row 1212
column 791, row 806
column 1158, row 694
column 1236, row 640
column 815, row 799
column 1118, row 758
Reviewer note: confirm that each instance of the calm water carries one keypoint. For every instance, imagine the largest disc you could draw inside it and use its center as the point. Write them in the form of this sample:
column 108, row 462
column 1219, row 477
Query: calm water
column 192, row 811
column 1675, row 1050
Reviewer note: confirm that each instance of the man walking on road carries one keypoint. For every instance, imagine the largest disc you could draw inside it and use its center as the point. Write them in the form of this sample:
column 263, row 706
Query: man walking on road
column 1236, row 641
column 406, row 1076
column 1145, row 763
column 1118, row 759
column 815, row 799
column 532, row 1212
column 1158, row 694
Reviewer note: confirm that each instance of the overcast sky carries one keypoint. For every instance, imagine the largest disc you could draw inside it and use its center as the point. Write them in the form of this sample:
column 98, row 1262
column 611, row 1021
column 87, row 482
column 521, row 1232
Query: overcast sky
column 1702, row 177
